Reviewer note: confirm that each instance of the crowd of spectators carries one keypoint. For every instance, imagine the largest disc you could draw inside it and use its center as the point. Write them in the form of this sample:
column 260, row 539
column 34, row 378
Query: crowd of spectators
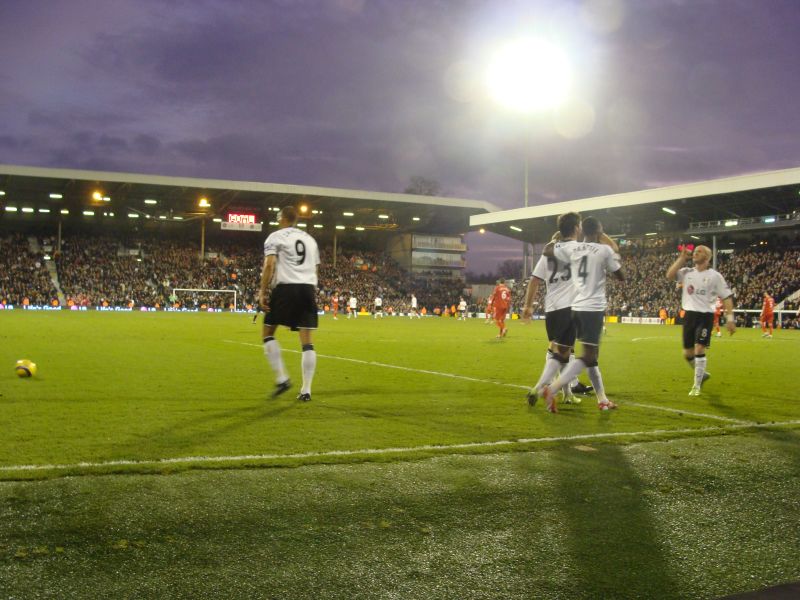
column 112, row 271
column 24, row 278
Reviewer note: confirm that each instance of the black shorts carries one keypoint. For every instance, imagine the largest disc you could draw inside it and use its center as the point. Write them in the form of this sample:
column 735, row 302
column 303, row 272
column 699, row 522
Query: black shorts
column 293, row 305
column 697, row 328
column 560, row 327
column 588, row 326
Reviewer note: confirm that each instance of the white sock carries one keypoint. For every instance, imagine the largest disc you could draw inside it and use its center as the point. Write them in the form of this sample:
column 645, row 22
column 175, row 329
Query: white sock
column 309, row 364
column 272, row 350
column 571, row 371
column 699, row 370
column 551, row 367
column 597, row 382
column 574, row 382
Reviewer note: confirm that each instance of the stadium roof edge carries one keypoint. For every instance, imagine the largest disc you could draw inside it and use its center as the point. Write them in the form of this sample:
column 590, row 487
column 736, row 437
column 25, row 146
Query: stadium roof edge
column 686, row 191
column 244, row 186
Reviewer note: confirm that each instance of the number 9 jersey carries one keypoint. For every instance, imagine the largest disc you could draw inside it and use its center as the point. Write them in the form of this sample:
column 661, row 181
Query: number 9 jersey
column 296, row 254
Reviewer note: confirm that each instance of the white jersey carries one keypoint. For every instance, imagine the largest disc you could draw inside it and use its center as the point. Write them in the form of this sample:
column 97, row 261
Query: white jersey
column 589, row 262
column 353, row 302
column 701, row 289
column 378, row 302
column 462, row 306
column 297, row 256
column 413, row 302
column 557, row 277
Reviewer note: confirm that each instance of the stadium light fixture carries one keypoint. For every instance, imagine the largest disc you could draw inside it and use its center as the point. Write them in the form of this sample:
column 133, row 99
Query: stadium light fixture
column 652, row 233
column 273, row 223
column 150, row 201
column 668, row 210
column 317, row 225
column 314, row 212
column 304, row 208
column 415, row 218
column 176, row 218
column 64, row 211
column 731, row 223
column 27, row 209
column 97, row 196
column 204, row 203
column 481, row 230
column 11, row 209
column 88, row 213
column 348, row 214
column 383, row 216
column 302, row 224
column 217, row 220
column 769, row 219
column 694, row 237
column 44, row 210
column 106, row 199
column 529, row 75
column 162, row 216
column 133, row 215
column 2, row 193
column 340, row 227
column 359, row 228
column 514, row 228
column 56, row 196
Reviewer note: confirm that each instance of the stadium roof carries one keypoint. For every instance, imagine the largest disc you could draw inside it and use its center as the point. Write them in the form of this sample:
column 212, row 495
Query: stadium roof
column 68, row 189
column 762, row 200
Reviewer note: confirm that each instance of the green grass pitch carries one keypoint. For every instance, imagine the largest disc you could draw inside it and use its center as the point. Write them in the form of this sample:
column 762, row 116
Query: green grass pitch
column 467, row 491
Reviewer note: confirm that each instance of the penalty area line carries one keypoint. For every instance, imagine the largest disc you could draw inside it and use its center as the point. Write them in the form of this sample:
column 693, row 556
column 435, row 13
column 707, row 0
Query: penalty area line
column 489, row 381
column 400, row 450
column 373, row 363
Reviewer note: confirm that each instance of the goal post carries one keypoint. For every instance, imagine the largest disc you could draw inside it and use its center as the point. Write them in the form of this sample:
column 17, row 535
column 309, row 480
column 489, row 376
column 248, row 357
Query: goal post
column 209, row 291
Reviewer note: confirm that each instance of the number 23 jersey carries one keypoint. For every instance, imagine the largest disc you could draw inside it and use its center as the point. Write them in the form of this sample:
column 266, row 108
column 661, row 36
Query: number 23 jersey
column 557, row 278
column 297, row 256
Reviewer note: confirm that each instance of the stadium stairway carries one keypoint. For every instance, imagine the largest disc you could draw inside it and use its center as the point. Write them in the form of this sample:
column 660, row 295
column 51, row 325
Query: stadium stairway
column 36, row 248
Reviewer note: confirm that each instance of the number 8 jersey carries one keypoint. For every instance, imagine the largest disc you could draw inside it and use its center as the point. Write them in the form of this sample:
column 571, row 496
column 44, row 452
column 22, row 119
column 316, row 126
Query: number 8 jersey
column 296, row 254
column 589, row 262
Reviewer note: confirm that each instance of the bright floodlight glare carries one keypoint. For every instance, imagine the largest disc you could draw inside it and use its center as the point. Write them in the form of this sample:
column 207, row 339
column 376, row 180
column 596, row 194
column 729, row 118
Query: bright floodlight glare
column 668, row 210
column 529, row 75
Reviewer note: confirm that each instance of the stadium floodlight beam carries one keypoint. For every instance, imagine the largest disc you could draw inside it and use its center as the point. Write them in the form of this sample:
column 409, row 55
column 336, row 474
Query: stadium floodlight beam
column 529, row 76
column 668, row 210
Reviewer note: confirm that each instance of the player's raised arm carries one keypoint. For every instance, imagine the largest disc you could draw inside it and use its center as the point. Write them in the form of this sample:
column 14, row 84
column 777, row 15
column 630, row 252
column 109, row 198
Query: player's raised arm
column 680, row 262
column 548, row 249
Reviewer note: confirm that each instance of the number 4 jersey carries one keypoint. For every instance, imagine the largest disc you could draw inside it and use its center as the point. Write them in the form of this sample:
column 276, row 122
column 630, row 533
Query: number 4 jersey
column 297, row 256
column 557, row 277
column 589, row 263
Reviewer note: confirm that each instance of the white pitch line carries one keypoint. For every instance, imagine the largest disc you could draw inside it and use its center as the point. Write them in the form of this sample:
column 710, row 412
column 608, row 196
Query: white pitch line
column 687, row 412
column 398, row 367
column 379, row 451
column 511, row 385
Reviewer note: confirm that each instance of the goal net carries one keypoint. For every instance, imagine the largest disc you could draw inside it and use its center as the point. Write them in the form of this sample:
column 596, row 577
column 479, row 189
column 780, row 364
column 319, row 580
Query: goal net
column 206, row 296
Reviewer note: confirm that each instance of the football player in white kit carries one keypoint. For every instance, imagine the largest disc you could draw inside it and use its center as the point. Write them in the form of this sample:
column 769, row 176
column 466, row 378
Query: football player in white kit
column 353, row 305
column 589, row 262
column 288, row 297
column 559, row 294
column 462, row 310
column 414, row 309
column 378, row 312
column 701, row 287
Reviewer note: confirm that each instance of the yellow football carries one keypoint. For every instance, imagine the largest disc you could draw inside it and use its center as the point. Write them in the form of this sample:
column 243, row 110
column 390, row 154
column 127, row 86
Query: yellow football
column 25, row 368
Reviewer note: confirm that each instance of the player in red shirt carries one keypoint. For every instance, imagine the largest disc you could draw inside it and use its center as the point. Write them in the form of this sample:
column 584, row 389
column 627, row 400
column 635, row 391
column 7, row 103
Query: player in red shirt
column 767, row 315
column 717, row 313
column 501, row 298
column 335, row 304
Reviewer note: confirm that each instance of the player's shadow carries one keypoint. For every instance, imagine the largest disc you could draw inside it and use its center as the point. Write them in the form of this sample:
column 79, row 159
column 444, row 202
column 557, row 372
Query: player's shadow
column 184, row 434
column 613, row 538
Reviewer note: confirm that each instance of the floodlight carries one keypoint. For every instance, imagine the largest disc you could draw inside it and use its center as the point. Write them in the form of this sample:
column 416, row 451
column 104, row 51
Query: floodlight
column 88, row 213
column 668, row 210
column 481, row 230
column 529, row 75
column 340, row 227
column 44, row 210
column 383, row 216
column 731, row 223
column 514, row 228
column 97, row 196
column 318, row 226
column 415, row 218
column 359, row 228
column 64, row 211
column 56, row 196
column 11, row 209
column 348, row 214
column 133, row 215
column 27, row 209
column 204, row 203
column 151, row 201
column 304, row 208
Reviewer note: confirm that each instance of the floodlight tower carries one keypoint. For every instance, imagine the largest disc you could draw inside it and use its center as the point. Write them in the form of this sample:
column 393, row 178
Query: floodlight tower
column 529, row 76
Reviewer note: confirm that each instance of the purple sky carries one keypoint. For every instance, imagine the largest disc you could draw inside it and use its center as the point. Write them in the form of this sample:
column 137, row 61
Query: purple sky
column 368, row 93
